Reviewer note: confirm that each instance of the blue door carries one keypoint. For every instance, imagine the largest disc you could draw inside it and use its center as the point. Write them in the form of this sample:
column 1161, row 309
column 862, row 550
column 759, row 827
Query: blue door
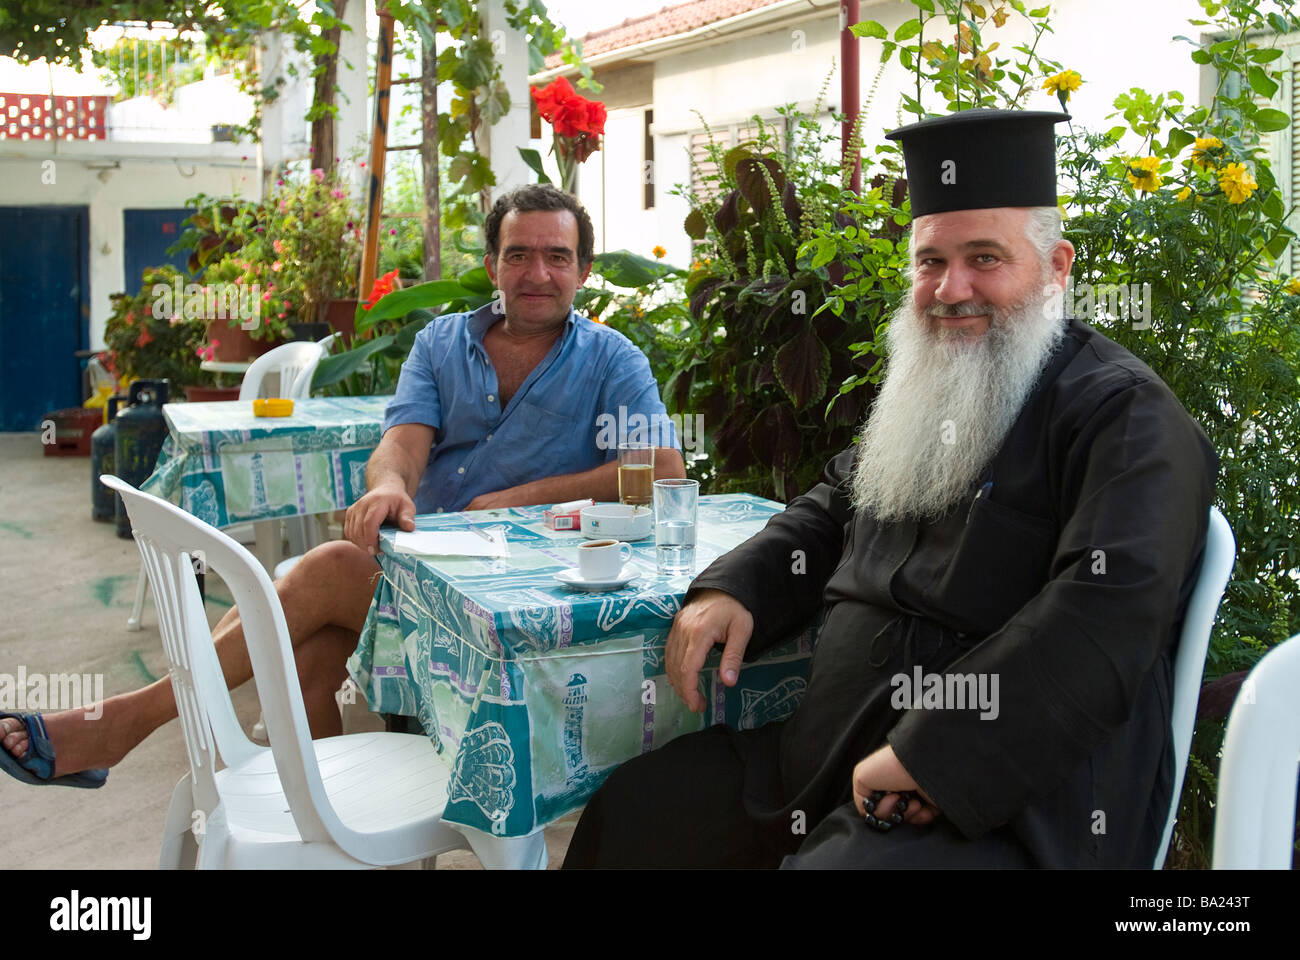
column 148, row 234
column 44, row 311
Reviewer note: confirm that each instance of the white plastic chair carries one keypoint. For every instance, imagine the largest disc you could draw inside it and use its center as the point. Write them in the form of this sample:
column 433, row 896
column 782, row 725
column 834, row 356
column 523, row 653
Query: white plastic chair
column 1254, row 817
column 1189, row 662
column 295, row 364
column 373, row 799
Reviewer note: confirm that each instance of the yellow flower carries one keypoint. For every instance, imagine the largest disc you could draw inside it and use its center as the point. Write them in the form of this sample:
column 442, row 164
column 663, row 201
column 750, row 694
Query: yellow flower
column 1063, row 83
column 1292, row 286
column 1235, row 181
column 1142, row 173
column 1201, row 154
column 1184, row 193
column 659, row 251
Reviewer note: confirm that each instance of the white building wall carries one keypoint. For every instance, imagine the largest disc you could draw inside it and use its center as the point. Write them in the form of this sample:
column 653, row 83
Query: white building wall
column 149, row 176
column 622, row 222
column 728, row 83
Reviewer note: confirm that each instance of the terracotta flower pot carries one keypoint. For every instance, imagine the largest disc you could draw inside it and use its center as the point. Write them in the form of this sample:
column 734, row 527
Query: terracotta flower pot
column 234, row 343
column 208, row 394
column 341, row 316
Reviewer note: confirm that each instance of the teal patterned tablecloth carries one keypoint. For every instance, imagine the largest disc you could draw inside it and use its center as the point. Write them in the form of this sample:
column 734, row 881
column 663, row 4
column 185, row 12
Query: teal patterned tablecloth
column 534, row 693
column 224, row 465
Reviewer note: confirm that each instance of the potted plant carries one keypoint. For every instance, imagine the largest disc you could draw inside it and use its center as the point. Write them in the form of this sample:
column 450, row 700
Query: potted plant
column 308, row 254
column 148, row 336
column 224, row 280
column 296, row 252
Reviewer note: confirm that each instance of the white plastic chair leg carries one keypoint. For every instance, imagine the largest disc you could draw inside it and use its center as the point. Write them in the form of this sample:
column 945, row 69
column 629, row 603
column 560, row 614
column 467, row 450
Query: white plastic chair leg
column 133, row 621
column 179, row 850
column 213, row 840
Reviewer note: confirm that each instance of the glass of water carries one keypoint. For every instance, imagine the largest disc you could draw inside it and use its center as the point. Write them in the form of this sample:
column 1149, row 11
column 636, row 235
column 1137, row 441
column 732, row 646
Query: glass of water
column 675, row 502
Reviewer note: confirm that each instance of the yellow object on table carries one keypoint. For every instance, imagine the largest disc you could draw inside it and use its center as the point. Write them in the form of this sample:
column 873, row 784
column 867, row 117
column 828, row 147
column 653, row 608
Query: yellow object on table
column 272, row 407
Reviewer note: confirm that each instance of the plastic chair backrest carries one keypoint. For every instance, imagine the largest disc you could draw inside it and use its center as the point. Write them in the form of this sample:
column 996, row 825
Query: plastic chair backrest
column 289, row 361
column 1189, row 662
column 169, row 538
column 1254, row 817
column 302, row 386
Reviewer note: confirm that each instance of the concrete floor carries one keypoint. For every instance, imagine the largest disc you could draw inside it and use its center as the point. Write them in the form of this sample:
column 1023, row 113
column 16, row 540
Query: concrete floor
column 66, row 588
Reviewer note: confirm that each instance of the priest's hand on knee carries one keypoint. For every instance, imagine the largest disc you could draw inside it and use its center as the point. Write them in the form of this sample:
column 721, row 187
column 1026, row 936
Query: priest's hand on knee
column 883, row 771
column 711, row 618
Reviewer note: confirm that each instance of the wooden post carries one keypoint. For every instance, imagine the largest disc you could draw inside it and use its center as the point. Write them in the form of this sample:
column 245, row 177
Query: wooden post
column 850, row 90
column 378, row 154
column 429, row 161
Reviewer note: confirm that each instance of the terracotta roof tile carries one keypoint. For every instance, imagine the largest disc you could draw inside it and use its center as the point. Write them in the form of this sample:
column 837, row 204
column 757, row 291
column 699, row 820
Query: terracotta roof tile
column 668, row 22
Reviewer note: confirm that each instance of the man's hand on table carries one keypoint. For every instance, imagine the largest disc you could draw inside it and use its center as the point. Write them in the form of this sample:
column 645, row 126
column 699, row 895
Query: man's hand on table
column 498, row 499
column 710, row 618
column 385, row 502
column 883, row 771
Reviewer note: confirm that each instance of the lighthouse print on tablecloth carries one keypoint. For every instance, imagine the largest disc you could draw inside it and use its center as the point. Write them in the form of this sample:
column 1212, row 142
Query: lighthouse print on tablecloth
column 575, row 702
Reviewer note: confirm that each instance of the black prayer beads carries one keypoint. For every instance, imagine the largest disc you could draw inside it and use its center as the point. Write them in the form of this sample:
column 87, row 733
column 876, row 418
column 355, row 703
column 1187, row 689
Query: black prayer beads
column 869, row 810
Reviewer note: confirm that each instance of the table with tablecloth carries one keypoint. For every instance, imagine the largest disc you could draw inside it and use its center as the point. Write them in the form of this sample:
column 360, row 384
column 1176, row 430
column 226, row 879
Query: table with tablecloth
column 225, row 466
column 533, row 692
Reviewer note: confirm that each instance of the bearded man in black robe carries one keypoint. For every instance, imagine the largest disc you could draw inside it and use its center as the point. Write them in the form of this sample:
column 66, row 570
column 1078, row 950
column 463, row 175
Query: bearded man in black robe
column 1002, row 565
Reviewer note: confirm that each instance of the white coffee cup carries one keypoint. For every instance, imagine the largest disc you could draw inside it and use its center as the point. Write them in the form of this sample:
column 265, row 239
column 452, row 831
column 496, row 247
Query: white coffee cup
column 602, row 559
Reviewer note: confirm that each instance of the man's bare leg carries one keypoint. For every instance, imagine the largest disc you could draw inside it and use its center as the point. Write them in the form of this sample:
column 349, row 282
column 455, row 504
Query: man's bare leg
column 325, row 599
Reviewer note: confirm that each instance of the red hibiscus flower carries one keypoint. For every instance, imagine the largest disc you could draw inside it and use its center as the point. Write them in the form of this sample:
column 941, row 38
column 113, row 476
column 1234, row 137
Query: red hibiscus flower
column 383, row 286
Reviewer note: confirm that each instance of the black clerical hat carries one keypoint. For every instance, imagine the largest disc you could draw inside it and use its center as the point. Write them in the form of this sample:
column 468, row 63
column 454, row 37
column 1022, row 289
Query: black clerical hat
column 975, row 159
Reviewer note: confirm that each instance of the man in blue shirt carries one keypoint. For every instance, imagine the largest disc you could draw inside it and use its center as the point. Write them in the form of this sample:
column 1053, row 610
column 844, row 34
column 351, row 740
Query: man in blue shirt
column 497, row 408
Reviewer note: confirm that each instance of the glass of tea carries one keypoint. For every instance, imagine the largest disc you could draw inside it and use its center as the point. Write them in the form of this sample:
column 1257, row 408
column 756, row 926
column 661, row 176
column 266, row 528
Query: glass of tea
column 636, row 474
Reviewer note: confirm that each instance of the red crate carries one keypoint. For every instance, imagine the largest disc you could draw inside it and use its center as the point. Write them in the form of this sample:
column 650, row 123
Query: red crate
column 72, row 430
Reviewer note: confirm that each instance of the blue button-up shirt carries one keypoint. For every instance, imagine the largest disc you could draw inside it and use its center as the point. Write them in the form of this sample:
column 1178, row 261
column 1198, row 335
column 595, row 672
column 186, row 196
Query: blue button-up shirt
column 591, row 391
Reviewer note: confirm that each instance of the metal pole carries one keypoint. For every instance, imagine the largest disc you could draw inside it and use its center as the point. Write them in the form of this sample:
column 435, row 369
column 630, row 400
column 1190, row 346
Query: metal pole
column 378, row 153
column 850, row 89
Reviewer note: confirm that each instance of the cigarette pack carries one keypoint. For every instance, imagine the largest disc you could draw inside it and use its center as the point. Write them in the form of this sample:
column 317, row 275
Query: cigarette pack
column 566, row 516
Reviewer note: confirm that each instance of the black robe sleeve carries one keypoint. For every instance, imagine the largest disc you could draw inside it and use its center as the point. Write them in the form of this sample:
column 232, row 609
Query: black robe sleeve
column 1133, row 492
column 779, row 574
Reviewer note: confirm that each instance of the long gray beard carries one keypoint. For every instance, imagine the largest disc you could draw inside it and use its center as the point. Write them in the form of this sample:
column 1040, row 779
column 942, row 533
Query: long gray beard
column 945, row 407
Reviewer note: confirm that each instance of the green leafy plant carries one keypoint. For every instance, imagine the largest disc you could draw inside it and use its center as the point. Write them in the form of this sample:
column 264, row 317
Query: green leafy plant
column 1197, row 213
column 765, row 356
column 644, row 299
column 141, row 345
column 386, row 332
column 467, row 58
column 300, row 247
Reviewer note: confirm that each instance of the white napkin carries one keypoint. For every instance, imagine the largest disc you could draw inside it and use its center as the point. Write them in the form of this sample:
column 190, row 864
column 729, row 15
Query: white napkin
column 452, row 543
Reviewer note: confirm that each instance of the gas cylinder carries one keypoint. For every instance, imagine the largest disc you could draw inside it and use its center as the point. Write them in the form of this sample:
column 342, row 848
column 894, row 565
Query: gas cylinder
column 102, row 460
column 141, row 431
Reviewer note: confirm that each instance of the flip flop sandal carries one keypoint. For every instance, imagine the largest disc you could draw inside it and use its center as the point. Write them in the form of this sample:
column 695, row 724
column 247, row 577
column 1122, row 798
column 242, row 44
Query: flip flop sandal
column 36, row 767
